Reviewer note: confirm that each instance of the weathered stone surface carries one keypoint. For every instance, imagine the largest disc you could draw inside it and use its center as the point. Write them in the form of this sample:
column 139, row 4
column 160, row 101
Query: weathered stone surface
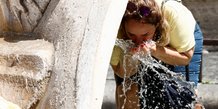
column 208, row 95
column 83, row 39
column 21, row 90
column 206, row 13
column 209, row 67
column 25, row 70
column 21, row 15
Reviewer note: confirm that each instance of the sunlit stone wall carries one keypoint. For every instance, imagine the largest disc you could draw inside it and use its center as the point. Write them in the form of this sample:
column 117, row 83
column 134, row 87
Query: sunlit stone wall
column 83, row 33
column 206, row 13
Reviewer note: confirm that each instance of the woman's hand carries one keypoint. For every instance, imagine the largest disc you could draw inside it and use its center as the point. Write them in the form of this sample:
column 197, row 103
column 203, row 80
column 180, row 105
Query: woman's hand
column 129, row 65
column 144, row 48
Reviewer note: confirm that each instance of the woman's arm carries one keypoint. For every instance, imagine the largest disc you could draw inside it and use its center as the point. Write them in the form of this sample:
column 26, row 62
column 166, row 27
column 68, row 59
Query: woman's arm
column 182, row 42
column 171, row 56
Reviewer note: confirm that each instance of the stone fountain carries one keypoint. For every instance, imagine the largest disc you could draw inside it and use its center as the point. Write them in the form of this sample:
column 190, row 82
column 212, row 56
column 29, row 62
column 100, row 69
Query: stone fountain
column 54, row 54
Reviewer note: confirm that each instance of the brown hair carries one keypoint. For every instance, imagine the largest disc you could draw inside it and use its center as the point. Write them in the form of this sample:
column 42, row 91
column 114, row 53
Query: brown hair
column 155, row 17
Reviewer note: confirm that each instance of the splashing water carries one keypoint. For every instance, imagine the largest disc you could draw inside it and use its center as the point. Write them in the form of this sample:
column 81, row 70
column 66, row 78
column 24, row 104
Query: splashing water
column 159, row 88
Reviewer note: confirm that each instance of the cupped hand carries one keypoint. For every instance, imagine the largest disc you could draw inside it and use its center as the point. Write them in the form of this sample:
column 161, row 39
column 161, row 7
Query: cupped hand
column 143, row 48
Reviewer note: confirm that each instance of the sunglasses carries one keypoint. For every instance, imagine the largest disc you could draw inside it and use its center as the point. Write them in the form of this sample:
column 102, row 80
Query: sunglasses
column 143, row 11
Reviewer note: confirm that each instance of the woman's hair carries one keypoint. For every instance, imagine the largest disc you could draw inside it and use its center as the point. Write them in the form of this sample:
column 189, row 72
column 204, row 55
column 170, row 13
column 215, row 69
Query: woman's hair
column 148, row 11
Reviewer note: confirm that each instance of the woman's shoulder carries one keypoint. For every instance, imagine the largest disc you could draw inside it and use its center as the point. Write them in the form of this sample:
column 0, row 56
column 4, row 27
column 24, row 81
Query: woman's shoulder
column 176, row 12
column 175, row 7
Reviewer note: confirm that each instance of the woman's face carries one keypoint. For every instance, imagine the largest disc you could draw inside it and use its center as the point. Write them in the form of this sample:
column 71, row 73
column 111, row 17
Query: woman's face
column 139, row 32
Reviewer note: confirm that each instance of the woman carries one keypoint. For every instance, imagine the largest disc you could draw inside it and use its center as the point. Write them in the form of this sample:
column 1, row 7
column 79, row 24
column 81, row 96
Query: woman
column 170, row 24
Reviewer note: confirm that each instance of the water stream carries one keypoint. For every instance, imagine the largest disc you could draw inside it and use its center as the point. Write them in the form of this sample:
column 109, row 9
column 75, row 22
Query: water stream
column 159, row 88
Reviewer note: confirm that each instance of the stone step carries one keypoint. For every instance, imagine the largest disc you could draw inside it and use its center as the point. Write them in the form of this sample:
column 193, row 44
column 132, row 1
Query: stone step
column 208, row 95
column 25, row 70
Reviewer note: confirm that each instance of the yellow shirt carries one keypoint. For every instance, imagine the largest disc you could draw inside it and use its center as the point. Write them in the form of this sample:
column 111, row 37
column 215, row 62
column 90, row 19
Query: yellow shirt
column 117, row 54
column 182, row 25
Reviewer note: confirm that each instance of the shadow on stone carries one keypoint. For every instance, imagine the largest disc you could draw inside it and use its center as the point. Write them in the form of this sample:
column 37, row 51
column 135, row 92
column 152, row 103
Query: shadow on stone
column 108, row 105
column 16, row 37
column 210, row 106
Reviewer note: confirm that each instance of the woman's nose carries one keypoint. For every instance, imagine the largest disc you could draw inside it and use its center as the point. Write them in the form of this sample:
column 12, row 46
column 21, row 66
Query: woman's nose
column 139, row 41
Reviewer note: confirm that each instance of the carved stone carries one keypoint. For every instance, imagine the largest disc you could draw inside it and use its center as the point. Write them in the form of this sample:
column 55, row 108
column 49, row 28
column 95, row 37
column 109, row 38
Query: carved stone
column 21, row 15
column 25, row 70
column 83, row 33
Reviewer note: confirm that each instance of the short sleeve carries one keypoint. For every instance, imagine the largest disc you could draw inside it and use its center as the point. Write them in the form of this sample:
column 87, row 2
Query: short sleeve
column 182, row 25
column 116, row 55
column 117, row 51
